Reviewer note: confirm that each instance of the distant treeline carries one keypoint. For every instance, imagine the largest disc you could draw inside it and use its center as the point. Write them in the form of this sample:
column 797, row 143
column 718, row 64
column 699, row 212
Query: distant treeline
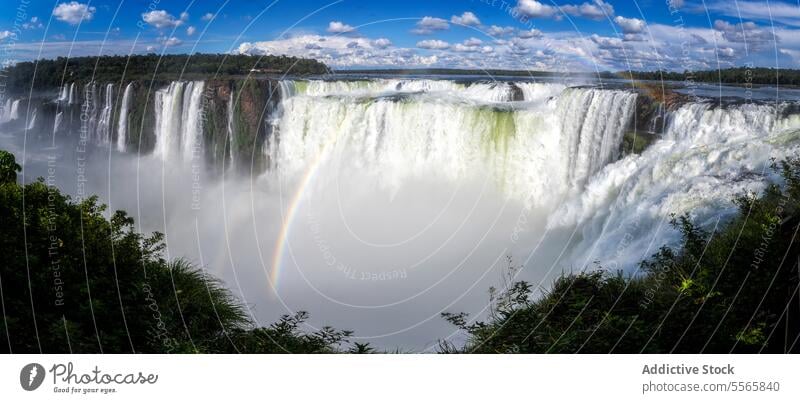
column 53, row 73
column 737, row 75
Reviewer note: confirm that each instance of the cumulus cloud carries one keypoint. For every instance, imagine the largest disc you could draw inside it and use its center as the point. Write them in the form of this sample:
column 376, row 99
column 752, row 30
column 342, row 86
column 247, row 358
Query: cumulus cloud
column 532, row 33
column 433, row 44
column 495, row 30
column 190, row 31
column 470, row 45
column 6, row 35
column 34, row 23
column 747, row 32
column 381, row 43
column 473, row 42
column 467, row 18
column 535, row 9
column 207, row 17
column 73, row 12
column 429, row 25
column 171, row 41
column 338, row 27
column 162, row 19
column 604, row 42
column 595, row 11
column 630, row 25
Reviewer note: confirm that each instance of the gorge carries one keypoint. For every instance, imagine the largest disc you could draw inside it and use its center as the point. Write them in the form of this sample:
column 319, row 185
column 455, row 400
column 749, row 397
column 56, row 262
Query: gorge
column 314, row 190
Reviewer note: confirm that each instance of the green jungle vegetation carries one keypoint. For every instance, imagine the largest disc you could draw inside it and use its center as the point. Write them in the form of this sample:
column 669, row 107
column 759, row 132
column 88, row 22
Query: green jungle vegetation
column 54, row 73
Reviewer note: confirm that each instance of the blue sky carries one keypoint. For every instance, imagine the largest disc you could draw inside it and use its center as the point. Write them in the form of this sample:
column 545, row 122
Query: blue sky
column 518, row 34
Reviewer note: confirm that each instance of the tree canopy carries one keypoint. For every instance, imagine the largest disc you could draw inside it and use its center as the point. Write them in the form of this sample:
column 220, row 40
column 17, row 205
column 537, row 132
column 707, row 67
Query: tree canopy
column 50, row 74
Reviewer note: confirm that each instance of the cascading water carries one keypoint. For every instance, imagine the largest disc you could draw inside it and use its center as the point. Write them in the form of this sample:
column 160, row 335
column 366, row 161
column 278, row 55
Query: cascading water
column 593, row 122
column 179, row 123
column 89, row 110
column 64, row 94
column 707, row 156
column 440, row 127
column 32, row 122
column 57, row 122
column 104, row 121
column 10, row 111
column 122, row 127
column 72, row 99
column 230, row 129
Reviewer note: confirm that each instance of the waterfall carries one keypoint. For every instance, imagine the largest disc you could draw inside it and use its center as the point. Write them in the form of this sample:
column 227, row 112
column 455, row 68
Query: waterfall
column 104, row 121
column 179, row 119
column 57, row 121
column 593, row 122
column 230, row 129
column 64, row 94
column 703, row 122
column 72, row 99
column 10, row 111
column 32, row 122
column 707, row 156
column 89, row 110
column 538, row 92
column 439, row 128
column 480, row 92
column 122, row 127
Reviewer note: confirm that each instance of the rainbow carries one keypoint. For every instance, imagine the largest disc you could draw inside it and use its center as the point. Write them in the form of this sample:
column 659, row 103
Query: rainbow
column 288, row 218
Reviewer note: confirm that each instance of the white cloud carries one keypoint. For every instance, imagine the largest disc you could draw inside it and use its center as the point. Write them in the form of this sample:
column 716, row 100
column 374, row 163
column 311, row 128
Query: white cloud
column 495, row 30
column 535, row 9
column 207, row 17
column 746, row 32
column 469, row 46
column 171, row 41
column 338, row 27
column 726, row 52
column 34, row 23
column 381, row 43
column 162, row 19
column 6, row 34
column 630, row 25
column 595, row 11
column 428, row 25
column 433, row 44
column 191, row 30
column 73, row 12
column 533, row 33
column 473, row 42
column 604, row 42
column 467, row 18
